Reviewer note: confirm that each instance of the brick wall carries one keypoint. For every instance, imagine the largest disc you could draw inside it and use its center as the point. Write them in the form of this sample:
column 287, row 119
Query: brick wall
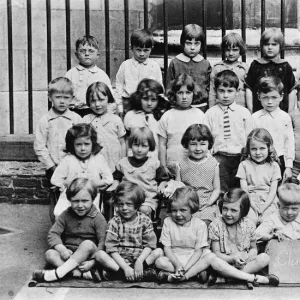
column 23, row 182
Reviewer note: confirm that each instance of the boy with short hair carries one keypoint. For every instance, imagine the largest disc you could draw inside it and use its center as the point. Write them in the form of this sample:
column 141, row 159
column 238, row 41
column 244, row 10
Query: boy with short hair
column 133, row 70
column 285, row 223
column 230, row 125
column 86, row 72
column 49, row 143
column 277, row 122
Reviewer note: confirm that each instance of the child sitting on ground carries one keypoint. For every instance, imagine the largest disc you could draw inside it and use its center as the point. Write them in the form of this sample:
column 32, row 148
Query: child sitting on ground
column 86, row 72
column 83, row 160
column 277, row 122
column 186, row 247
column 133, row 70
column 130, row 240
column 285, row 223
column 232, row 235
column 192, row 63
column 76, row 236
column 51, row 129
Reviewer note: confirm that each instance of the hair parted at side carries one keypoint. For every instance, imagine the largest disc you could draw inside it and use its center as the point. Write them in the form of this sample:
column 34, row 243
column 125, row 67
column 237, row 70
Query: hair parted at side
column 234, row 195
column 289, row 194
column 192, row 31
column 184, row 80
column 98, row 87
column 197, row 132
column 81, row 130
column 140, row 135
column 89, row 40
column 186, row 194
column 233, row 39
column 261, row 135
column 272, row 33
column 268, row 84
column 130, row 191
column 227, row 78
column 61, row 85
column 79, row 184
column 144, row 88
column 142, row 38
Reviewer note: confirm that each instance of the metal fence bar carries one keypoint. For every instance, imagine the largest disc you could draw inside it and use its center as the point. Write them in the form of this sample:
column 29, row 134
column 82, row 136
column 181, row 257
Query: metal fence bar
column 243, row 25
column 29, row 62
column 49, row 45
column 146, row 17
column 10, row 67
column 165, row 17
column 87, row 17
column 68, row 33
column 223, row 17
column 282, row 27
column 204, row 26
column 263, row 19
column 184, row 18
column 126, row 23
column 107, row 42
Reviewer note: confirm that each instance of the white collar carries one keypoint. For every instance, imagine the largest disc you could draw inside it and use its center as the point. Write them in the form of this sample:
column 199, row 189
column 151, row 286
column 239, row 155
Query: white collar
column 187, row 59
column 94, row 69
column 136, row 63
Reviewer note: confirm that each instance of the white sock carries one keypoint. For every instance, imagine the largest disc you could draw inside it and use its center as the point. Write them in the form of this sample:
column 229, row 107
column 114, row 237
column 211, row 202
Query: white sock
column 68, row 266
column 87, row 275
column 50, row 275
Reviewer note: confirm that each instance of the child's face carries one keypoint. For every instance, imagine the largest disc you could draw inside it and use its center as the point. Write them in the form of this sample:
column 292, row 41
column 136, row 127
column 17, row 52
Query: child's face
column 231, row 212
column 98, row 103
column 141, row 53
column 87, row 55
column 83, row 147
column 180, row 212
column 60, row 101
column 149, row 102
column 271, row 49
column 81, row 203
column 197, row 149
column 288, row 212
column 226, row 95
column 184, row 97
column 140, row 150
column 126, row 209
column 232, row 54
column 258, row 151
column 270, row 101
column 192, row 48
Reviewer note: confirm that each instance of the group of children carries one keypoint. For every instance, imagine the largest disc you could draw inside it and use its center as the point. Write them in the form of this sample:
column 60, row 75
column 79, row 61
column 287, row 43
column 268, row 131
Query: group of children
column 197, row 145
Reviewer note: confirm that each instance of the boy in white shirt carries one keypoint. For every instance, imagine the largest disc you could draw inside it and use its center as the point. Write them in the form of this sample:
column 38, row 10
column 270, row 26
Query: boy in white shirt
column 133, row 70
column 277, row 122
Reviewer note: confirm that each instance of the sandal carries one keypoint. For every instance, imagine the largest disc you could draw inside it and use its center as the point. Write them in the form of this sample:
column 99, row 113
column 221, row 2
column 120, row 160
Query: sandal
column 38, row 275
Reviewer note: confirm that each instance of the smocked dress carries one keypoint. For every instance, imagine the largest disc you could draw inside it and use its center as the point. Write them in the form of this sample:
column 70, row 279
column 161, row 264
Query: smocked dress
column 109, row 129
column 200, row 176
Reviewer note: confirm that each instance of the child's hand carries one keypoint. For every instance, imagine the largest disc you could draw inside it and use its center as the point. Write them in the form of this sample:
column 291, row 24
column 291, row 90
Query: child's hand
column 162, row 186
column 287, row 174
column 86, row 265
column 238, row 261
column 179, row 271
column 66, row 254
column 138, row 270
column 113, row 186
column 129, row 274
column 279, row 236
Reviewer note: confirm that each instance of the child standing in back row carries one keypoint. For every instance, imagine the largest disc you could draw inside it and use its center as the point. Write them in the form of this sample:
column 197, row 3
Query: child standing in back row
column 110, row 129
column 86, row 72
column 270, row 64
column 133, row 70
column 233, row 46
column 191, row 62
column 230, row 125
column 182, row 94
column 49, row 143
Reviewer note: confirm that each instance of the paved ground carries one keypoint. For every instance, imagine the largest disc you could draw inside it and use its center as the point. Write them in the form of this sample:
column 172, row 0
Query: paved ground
column 22, row 252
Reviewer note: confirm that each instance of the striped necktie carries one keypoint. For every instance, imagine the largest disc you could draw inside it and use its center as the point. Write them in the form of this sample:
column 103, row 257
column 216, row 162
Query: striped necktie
column 226, row 124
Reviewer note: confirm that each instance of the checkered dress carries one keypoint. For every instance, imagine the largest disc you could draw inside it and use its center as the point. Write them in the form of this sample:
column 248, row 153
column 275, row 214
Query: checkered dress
column 130, row 238
column 200, row 176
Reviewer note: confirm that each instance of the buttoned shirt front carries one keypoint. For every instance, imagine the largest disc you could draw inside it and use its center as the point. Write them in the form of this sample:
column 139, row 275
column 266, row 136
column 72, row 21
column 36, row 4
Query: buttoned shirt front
column 279, row 124
column 82, row 78
column 49, row 143
column 240, row 126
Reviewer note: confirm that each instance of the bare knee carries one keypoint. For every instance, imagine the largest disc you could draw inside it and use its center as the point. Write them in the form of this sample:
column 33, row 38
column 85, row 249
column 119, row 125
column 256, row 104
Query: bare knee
column 51, row 255
column 161, row 262
column 158, row 253
column 88, row 246
column 263, row 260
